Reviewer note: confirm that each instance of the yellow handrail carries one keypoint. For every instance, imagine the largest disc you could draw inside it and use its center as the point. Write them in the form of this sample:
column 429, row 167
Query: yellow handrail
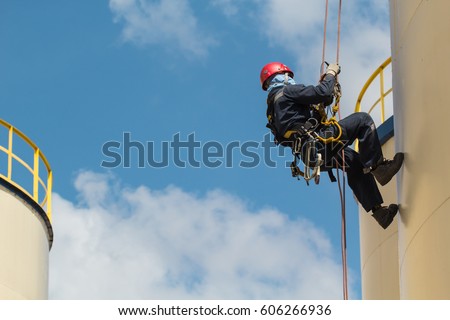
column 38, row 156
column 383, row 93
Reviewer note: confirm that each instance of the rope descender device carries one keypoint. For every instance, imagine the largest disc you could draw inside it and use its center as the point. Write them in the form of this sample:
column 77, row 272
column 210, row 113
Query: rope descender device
column 307, row 151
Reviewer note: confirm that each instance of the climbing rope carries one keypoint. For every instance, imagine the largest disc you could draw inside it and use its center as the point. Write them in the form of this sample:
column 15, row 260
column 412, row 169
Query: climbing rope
column 312, row 167
column 333, row 121
column 324, row 44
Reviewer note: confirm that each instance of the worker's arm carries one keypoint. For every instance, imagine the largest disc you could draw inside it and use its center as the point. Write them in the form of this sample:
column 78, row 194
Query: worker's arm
column 306, row 95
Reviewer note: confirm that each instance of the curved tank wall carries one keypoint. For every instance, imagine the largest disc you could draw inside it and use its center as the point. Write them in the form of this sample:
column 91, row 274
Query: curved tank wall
column 378, row 247
column 420, row 54
column 25, row 239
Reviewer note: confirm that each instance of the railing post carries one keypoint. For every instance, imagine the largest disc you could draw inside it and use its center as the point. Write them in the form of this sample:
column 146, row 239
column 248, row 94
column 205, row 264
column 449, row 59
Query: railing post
column 10, row 142
column 36, row 176
column 382, row 93
column 49, row 194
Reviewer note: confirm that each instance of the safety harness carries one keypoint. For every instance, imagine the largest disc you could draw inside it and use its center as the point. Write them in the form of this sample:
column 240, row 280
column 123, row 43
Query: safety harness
column 304, row 139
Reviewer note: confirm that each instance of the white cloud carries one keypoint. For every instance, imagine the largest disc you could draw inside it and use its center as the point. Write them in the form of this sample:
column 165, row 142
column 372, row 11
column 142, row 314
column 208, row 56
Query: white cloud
column 125, row 243
column 170, row 23
column 286, row 22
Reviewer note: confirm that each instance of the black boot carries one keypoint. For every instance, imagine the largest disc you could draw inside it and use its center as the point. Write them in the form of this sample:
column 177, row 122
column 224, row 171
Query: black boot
column 385, row 215
column 386, row 169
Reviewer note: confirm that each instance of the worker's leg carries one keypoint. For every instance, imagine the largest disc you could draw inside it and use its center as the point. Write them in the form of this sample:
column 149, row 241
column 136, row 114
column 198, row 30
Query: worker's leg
column 360, row 126
column 363, row 185
column 365, row 188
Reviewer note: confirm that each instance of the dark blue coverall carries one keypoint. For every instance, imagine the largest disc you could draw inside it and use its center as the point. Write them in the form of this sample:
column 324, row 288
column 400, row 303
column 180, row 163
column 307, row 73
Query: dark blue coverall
column 293, row 108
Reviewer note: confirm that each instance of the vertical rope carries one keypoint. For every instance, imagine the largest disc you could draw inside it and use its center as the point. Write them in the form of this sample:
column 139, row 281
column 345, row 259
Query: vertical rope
column 324, row 44
column 339, row 31
column 341, row 189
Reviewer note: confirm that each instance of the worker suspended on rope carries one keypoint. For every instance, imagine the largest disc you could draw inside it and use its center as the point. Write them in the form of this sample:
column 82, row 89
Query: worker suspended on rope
column 296, row 121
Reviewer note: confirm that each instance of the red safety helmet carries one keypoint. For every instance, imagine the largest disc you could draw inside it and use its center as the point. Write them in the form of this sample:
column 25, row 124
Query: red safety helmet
column 273, row 68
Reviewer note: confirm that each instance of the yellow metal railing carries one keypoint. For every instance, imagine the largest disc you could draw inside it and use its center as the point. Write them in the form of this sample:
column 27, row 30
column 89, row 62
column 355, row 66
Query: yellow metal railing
column 38, row 181
column 383, row 92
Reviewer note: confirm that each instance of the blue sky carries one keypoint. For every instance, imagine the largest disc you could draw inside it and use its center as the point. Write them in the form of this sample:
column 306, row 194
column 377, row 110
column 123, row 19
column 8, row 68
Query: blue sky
column 75, row 75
